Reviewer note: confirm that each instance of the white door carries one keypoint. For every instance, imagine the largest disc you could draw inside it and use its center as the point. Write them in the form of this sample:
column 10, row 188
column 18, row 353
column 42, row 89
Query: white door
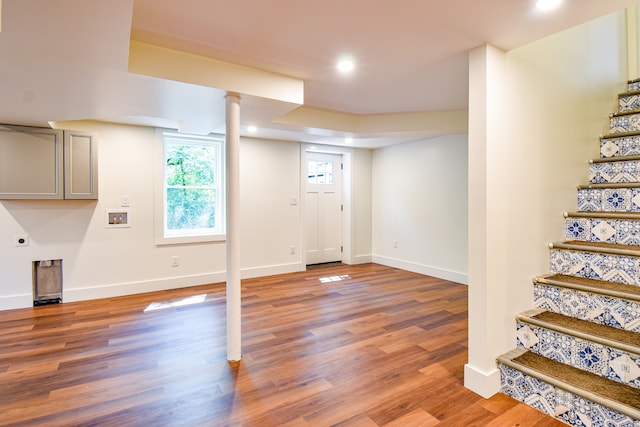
column 323, row 207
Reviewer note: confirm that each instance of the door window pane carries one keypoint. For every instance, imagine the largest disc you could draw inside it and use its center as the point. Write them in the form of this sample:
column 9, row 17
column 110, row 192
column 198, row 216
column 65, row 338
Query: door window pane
column 319, row 172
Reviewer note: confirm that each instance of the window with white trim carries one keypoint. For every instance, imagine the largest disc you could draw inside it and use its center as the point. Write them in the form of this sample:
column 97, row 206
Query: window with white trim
column 192, row 188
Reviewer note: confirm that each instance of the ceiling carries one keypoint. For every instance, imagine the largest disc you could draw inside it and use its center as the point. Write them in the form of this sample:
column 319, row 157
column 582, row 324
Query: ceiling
column 69, row 60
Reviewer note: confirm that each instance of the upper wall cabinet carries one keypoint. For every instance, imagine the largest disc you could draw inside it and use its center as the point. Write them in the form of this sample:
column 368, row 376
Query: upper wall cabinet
column 41, row 163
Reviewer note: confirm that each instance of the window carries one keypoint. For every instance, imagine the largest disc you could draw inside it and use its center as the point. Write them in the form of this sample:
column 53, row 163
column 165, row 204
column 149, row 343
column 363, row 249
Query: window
column 319, row 172
column 192, row 188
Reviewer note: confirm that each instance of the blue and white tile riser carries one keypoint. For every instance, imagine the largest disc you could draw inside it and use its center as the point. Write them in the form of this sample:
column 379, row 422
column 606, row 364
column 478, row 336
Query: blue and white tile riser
column 609, row 199
column 625, row 123
column 629, row 102
column 560, row 404
column 601, row 309
column 609, row 172
column 633, row 86
column 611, row 363
column 620, row 146
column 619, row 231
column 612, row 268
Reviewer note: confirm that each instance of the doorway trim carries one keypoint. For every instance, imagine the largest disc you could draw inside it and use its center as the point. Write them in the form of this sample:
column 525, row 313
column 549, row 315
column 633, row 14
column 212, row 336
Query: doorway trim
column 347, row 180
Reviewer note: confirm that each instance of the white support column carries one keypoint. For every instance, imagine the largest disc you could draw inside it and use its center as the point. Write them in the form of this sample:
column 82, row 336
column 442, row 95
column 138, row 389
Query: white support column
column 488, row 221
column 234, row 298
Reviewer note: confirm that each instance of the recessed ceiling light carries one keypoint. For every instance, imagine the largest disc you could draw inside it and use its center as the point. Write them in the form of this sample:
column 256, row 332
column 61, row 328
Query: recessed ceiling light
column 547, row 4
column 345, row 65
column 252, row 129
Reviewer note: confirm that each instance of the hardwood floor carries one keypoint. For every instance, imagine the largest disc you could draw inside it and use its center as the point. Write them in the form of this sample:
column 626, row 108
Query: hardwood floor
column 363, row 345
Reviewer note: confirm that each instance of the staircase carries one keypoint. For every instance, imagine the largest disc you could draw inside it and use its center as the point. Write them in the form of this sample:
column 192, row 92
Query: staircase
column 578, row 351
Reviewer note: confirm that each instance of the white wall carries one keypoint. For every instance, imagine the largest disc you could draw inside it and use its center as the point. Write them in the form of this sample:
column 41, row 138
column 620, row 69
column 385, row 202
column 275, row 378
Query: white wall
column 419, row 202
column 103, row 262
column 535, row 117
column 269, row 178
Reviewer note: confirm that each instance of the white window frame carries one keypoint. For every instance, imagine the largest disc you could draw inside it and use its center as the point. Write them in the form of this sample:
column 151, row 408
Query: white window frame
column 160, row 193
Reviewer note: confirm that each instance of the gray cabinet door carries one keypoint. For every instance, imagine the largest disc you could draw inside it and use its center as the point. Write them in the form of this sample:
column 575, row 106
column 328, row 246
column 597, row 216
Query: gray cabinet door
column 30, row 163
column 80, row 165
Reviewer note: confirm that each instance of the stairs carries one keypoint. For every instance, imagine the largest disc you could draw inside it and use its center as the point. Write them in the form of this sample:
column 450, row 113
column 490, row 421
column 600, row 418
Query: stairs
column 577, row 355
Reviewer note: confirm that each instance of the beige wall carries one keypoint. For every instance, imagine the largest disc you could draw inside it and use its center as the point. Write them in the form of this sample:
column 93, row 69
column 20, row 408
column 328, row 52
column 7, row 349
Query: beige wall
column 420, row 207
column 535, row 116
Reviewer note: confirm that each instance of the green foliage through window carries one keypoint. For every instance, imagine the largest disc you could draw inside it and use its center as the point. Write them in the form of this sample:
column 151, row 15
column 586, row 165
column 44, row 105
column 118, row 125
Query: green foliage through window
column 193, row 185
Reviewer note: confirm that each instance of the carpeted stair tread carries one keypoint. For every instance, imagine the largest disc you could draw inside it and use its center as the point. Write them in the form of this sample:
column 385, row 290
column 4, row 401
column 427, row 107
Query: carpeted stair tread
column 620, row 134
column 587, row 381
column 602, row 185
column 616, row 396
column 611, row 248
column 595, row 329
column 619, row 290
column 601, row 214
column 616, row 159
column 597, row 244
column 629, row 93
column 625, row 113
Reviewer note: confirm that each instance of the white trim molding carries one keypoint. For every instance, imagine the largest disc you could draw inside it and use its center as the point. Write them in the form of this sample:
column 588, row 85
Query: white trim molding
column 486, row 384
column 427, row 270
column 11, row 302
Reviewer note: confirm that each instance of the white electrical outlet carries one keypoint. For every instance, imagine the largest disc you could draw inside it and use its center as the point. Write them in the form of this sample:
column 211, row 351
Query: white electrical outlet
column 22, row 240
column 175, row 261
column 292, row 250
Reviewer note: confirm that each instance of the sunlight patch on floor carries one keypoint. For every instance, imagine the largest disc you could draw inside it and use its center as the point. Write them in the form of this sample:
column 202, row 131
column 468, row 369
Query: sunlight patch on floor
column 334, row 278
column 195, row 299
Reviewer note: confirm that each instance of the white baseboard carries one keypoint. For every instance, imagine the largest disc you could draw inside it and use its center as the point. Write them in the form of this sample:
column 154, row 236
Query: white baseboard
column 427, row 270
column 361, row 259
column 16, row 301
column 270, row 270
column 129, row 288
column 486, row 384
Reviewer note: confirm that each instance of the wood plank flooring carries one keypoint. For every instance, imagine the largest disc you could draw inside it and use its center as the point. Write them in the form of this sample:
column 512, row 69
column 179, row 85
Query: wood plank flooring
column 363, row 345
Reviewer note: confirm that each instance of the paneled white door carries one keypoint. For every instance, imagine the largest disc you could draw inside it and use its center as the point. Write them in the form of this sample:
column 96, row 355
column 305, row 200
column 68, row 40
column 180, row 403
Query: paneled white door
column 323, row 207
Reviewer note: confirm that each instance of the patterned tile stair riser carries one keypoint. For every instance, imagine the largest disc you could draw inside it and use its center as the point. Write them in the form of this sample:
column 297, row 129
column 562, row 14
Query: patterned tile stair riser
column 606, row 230
column 609, row 199
column 577, row 354
column 614, row 172
column 601, row 309
column 612, row 146
column 625, row 123
column 633, row 85
column 629, row 102
column 609, row 267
